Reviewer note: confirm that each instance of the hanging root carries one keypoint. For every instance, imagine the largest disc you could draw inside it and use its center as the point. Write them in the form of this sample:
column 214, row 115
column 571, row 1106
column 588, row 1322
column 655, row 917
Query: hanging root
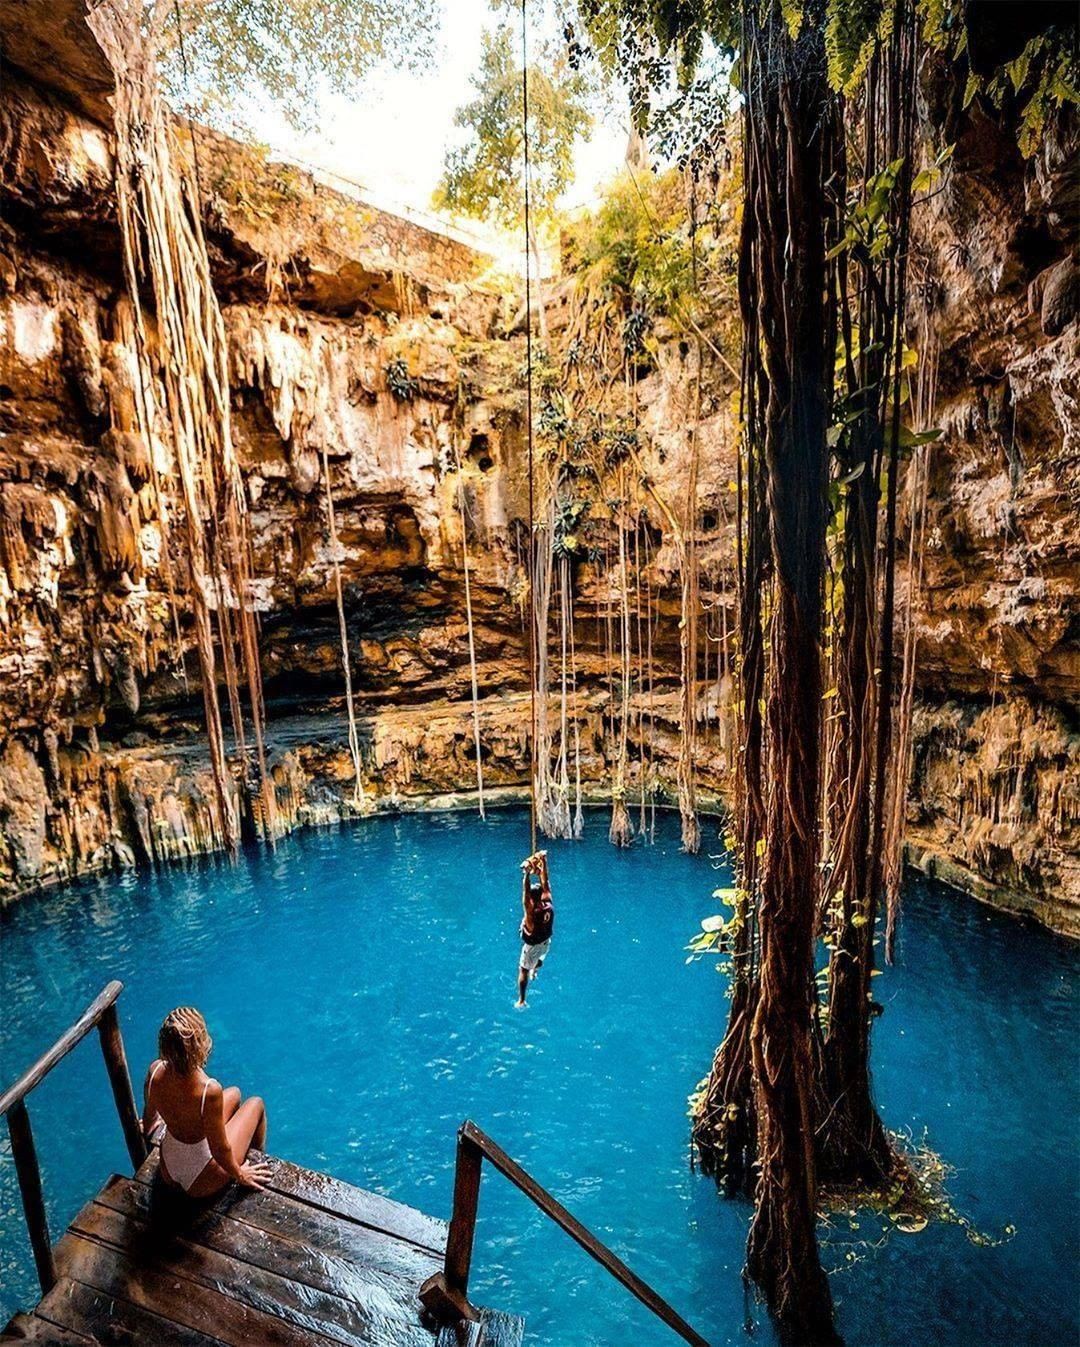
column 343, row 632
column 164, row 249
column 621, row 832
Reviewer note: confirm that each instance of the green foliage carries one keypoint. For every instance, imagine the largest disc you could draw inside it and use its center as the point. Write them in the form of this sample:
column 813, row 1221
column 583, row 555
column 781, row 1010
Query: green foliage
column 239, row 53
column 484, row 177
column 718, row 932
column 1043, row 79
column 852, row 30
column 571, row 527
column 400, row 382
column 866, row 229
column 635, row 249
column 648, row 43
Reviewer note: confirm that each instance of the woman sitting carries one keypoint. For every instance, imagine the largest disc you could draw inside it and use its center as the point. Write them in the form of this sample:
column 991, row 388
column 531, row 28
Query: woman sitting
column 208, row 1131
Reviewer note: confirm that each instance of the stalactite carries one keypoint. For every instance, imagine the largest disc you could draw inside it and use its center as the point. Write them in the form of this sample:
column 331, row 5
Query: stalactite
column 643, row 826
column 552, row 806
column 578, row 823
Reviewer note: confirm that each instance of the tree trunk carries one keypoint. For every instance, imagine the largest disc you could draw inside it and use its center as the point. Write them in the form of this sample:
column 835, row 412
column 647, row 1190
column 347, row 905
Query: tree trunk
column 790, row 123
column 853, row 1144
column 725, row 1129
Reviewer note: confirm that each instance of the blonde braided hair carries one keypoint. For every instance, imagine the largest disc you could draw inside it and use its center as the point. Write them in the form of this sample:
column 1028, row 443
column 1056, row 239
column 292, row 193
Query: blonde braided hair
column 184, row 1041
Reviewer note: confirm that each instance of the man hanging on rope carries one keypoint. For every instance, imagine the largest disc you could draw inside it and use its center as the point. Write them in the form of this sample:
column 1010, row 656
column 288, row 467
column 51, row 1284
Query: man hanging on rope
column 538, row 921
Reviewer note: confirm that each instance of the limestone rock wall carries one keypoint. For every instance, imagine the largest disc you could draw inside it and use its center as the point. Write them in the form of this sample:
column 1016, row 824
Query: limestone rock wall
column 995, row 801
column 354, row 348
column 329, row 307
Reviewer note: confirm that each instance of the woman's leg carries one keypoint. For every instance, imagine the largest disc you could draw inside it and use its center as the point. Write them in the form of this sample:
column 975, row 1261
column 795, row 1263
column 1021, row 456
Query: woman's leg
column 246, row 1128
column 230, row 1101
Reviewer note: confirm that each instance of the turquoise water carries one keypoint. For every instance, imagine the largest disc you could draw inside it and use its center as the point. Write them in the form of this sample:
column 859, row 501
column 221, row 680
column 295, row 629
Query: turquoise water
column 362, row 980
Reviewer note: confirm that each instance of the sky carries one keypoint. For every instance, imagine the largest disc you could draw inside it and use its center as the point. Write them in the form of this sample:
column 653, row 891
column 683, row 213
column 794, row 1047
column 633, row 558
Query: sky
column 391, row 138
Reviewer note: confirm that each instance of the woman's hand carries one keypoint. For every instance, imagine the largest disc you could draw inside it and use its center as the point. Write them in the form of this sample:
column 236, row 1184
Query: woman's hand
column 254, row 1175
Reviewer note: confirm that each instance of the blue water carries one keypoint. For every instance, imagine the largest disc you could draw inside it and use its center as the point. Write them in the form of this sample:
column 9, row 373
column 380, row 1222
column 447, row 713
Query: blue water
column 362, row 980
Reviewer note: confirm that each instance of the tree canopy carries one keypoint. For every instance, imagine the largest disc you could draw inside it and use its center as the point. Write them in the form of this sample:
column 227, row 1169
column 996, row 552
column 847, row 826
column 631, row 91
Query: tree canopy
column 238, row 54
column 483, row 176
column 1031, row 57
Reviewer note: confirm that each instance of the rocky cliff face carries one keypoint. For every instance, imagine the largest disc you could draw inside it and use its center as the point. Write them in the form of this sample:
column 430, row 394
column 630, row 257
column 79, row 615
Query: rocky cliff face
column 359, row 345
column 362, row 344
column 995, row 802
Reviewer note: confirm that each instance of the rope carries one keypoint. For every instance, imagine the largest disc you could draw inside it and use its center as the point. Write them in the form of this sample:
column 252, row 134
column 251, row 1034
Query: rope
column 529, row 433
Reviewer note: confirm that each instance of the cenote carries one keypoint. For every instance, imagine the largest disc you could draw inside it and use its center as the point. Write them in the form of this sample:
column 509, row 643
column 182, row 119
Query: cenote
column 362, row 981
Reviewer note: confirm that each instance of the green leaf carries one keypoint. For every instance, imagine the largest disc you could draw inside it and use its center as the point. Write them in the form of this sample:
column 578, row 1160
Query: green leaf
column 1018, row 70
column 909, row 438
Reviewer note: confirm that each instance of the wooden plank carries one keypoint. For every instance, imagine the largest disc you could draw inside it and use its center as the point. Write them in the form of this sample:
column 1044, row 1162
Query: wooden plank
column 115, row 1320
column 180, row 1300
column 112, row 1049
column 492, row 1330
column 357, row 1204
column 501, row 1330
column 326, row 1234
column 230, row 1254
column 309, row 1246
column 28, row 1328
column 326, row 1193
column 69, row 1039
column 459, row 1243
column 463, row 1333
column 556, row 1212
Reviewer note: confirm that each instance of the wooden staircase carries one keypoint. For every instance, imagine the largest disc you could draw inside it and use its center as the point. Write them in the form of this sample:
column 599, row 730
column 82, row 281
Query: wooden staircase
column 307, row 1262
column 303, row 1262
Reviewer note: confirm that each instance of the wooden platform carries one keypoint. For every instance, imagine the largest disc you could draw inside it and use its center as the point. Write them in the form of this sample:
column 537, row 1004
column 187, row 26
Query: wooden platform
column 311, row 1260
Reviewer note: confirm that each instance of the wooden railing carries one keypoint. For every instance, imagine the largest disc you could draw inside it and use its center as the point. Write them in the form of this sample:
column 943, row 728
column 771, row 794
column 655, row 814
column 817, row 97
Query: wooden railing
column 100, row 1014
column 446, row 1294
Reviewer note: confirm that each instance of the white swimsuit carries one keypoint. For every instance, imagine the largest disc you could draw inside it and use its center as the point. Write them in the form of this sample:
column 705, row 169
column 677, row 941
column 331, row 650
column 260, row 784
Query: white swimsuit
column 185, row 1160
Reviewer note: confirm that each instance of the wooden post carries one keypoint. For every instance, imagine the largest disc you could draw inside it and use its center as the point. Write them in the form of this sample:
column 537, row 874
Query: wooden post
column 446, row 1294
column 29, row 1175
column 459, row 1245
column 112, row 1049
